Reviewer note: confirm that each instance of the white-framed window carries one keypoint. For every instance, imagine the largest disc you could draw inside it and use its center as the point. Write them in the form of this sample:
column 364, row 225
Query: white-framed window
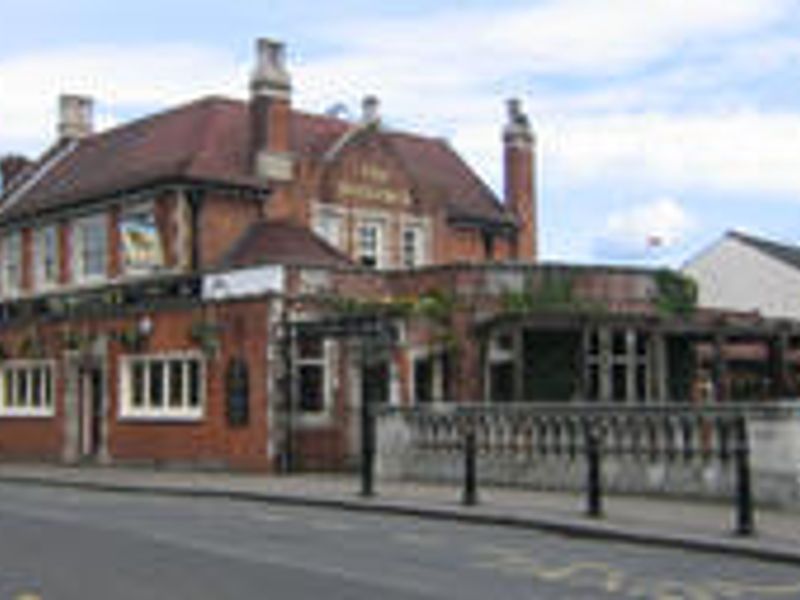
column 413, row 246
column 12, row 263
column 140, row 242
column 46, row 257
column 164, row 386
column 312, row 375
column 369, row 240
column 26, row 389
column 617, row 363
column 90, row 248
column 328, row 226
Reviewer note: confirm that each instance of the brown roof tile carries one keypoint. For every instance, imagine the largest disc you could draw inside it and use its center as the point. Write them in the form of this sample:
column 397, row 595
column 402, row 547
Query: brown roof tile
column 279, row 242
column 208, row 140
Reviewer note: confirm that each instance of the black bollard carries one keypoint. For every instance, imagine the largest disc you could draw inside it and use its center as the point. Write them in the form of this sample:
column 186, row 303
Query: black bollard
column 745, row 521
column 594, row 500
column 367, row 451
column 470, row 495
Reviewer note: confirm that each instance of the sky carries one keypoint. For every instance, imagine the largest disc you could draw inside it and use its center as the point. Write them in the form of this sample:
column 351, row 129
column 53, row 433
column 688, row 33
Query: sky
column 660, row 124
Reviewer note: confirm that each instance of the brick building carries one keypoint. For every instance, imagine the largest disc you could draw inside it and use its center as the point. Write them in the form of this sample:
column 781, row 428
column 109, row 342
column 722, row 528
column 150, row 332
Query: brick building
column 155, row 279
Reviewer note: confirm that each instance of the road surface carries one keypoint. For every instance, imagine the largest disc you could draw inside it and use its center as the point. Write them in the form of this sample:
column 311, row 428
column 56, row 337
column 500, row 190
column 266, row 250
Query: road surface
column 65, row 544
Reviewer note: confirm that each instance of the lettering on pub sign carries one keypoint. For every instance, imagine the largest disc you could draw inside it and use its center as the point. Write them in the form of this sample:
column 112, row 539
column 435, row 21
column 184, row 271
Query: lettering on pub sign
column 372, row 183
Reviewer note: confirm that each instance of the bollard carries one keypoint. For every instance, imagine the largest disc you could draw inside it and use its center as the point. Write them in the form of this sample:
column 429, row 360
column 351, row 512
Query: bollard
column 367, row 451
column 594, row 500
column 470, row 495
column 745, row 521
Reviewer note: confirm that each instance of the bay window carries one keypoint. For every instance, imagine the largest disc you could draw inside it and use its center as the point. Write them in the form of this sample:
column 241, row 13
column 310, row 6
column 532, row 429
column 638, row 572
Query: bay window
column 90, row 248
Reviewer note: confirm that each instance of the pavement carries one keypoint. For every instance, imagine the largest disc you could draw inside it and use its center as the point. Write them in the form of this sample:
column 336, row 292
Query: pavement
column 677, row 523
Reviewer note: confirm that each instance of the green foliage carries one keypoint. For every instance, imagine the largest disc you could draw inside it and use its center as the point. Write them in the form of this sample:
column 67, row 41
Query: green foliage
column 206, row 335
column 553, row 292
column 676, row 294
column 131, row 339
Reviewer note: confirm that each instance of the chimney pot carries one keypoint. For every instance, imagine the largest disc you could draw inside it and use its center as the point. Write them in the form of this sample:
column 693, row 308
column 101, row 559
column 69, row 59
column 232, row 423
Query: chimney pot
column 370, row 109
column 518, row 129
column 75, row 117
column 270, row 77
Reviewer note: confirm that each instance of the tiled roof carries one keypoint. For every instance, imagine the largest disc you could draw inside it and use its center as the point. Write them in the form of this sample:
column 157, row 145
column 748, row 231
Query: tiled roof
column 278, row 242
column 789, row 255
column 208, row 140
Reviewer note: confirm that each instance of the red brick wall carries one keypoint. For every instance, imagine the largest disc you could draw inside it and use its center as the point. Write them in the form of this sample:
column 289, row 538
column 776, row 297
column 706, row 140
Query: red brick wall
column 210, row 440
column 519, row 194
column 222, row 222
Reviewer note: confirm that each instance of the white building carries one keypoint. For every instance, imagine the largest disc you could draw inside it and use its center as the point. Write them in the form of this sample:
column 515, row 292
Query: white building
column 745, row 273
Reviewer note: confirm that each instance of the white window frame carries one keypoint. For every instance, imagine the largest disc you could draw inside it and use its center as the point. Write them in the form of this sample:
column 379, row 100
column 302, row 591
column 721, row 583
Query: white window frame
column 326, row 361
column 15, row 407
column 12, row 269
column 42, row 278
column 164, row 412
column 378, row 226
column 417, row 256
column 79, row 228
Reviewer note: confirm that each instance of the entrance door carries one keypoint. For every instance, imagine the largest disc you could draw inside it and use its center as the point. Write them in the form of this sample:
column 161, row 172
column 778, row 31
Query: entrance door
column 92, row 408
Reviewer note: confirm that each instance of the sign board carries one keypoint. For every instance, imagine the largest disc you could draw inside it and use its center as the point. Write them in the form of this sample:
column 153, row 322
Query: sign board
column 140, row 241
column 240, row 283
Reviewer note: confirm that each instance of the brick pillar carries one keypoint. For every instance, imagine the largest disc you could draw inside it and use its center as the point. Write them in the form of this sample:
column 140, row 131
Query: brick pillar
column 520, row 196
column 27, row 265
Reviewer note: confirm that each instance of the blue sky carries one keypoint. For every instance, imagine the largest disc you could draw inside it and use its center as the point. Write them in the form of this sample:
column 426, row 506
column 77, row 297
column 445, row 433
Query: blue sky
column 656, row 119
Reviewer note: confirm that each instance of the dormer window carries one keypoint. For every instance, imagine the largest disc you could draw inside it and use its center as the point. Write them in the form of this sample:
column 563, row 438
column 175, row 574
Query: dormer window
column 46, row 257
column 90, row 249
column 12, row 263
column 140, row 240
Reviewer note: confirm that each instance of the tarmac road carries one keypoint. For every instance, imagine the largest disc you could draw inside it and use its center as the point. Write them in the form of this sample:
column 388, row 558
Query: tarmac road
column 73, row 544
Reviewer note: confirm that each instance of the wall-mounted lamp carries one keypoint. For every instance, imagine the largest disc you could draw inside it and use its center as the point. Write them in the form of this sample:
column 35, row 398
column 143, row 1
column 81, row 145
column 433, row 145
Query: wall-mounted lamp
column 145, row 326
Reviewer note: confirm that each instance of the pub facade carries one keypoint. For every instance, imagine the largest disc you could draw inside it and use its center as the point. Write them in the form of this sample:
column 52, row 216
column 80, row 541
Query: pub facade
column 160, row 283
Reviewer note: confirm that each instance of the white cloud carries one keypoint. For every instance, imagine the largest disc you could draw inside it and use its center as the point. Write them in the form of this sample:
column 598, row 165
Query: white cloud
column 652, row 227
column 745, row 151
column 145, row 76
column 588, row 36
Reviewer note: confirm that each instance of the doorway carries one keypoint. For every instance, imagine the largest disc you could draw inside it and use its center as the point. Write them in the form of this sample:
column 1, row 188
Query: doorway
column 92, row 408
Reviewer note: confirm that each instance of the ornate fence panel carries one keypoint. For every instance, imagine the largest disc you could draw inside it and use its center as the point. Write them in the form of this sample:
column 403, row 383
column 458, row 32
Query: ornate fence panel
column 674, row 449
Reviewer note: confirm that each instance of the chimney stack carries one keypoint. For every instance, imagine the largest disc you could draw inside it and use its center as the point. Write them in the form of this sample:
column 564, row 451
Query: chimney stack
column 270, row 113
column 75, row 117
column 370, row 113
column 520, row 194
column 11, row 166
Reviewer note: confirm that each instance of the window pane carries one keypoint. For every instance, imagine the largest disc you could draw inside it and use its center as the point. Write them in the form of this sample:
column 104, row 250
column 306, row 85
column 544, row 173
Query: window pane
column 619, row 345
column 157, row 384
column 9, row 387
column 619, row 385
column 194, row 384
column 22, row 387
column 176, row 383
column 423, row 381
column 311, row 388
column 137, row 385
column 36, row 387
